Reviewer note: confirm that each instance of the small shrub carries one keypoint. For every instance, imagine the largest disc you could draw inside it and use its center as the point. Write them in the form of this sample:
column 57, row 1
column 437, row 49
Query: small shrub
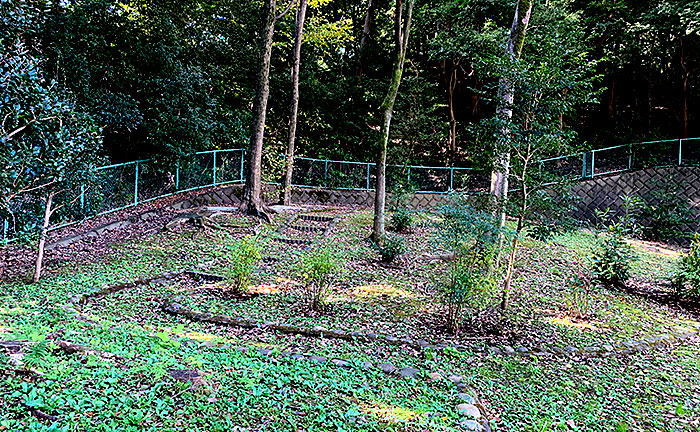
column 686, row 280
column 393, row 247
column 612, row 259
column 317, row 268
column 580, row 298
column 402, row 220
column 612, row 256
column 467, row 283
column 664, row 212
column 243, row 257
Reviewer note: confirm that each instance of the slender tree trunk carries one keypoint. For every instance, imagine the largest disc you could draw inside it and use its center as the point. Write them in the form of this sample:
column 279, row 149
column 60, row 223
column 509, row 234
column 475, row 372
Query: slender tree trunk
column 294, row 105
column 402, row 29
column 514, row 47
column 505, row 295
column 252, row 197
column 366, row 31
column 453, row 121
column 611, row 100
column 42, row 238
column 686, row 77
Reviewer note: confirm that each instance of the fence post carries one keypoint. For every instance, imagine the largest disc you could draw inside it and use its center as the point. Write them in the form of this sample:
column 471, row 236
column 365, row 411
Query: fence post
column 592, row 163
column 325, row 174
column 408, row 177
column 82, row 198
column 680, row 152
column 136, row 185
column 177, row 176
column 368, row 176
column 214, row 170
column 242, row 162
column 452, row 178
column 629, row 159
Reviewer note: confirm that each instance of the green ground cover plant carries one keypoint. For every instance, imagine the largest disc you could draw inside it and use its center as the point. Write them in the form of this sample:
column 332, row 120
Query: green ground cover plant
column 652, row 391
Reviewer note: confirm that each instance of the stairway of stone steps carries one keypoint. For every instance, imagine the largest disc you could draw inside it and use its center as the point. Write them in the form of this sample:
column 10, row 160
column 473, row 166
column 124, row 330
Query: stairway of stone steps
column 305, row 229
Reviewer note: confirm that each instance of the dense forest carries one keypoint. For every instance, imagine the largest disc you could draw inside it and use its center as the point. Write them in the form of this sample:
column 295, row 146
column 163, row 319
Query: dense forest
column 162, row 78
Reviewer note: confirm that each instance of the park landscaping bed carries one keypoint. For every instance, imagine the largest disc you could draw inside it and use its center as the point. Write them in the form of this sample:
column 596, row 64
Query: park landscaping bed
column 653, row 390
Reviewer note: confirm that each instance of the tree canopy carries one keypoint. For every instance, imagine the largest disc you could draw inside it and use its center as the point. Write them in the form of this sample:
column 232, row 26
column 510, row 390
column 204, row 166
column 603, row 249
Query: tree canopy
column 164, row 78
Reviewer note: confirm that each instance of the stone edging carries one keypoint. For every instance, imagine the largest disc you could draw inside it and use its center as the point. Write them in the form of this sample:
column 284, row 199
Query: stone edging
column 471, row 410
column 605, row 350
column 106, row 290
column 102, row 229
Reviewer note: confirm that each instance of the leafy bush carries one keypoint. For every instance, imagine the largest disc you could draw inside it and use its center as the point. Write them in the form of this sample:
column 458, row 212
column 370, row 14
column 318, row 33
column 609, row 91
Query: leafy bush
column 393, row 247
column 243, row 256
column 612, row 258
column 686, row 280
column 469, row 282
column 402, row 220
column 580, row 298
column 664, row 212
column 472, row 236
column 317, row 268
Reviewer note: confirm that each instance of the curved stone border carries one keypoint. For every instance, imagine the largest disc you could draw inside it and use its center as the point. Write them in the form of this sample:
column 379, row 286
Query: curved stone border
column 102, row 229
column 605, row 350
column 470, row 409
column 106, row 290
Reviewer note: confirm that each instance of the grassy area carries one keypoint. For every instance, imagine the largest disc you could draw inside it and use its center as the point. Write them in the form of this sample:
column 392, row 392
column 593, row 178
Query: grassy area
column 653, row 391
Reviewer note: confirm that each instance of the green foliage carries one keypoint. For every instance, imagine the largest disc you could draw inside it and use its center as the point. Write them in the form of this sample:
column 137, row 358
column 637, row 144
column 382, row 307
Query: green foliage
column 393, row 247
column 48, row 146
column 37, row 354
column 580, row 298
column 243, row 257
column 686, row 280
column 461, row 226
column 664, row 213
column 612, row 258
column 318, row 268
column 472, row 236
column 402, row 220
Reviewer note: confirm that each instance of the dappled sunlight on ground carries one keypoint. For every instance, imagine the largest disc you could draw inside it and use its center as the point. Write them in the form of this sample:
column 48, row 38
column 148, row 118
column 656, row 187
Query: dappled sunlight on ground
column 12, row 311
column 654, row 248
column 567, row 321
column 264, row 289
column 388, row 413
column 369, row 291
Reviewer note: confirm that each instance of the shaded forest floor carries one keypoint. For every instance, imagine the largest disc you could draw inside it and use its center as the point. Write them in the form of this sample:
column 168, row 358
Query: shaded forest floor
column 654, row 390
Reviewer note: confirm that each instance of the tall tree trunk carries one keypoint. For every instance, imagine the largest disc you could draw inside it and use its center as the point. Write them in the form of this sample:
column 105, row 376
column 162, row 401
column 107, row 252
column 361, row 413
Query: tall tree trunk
column 402, row 29
column 452, row 85
column 611, row 100
column 366, row 31
column 39, row 265
column 686, row 77
column 294, row 104
column 514, row 47
column 252, row 197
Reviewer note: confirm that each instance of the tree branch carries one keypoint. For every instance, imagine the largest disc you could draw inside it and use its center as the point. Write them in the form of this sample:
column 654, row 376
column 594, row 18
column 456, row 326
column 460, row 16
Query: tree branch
column 289, row 6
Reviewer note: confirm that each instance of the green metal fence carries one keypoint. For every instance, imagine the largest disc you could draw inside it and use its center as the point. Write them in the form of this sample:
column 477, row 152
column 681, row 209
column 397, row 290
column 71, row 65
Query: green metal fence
column 128, row 184
column 627, row 157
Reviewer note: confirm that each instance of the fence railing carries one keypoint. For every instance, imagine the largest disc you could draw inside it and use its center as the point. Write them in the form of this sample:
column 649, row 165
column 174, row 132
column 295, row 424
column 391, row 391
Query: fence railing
column 361, row 176
column 627, row 157
column 128, row 184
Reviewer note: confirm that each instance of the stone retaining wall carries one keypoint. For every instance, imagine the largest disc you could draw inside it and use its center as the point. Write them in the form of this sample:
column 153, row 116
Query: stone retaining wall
column 607, row 191
column 596, row 193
